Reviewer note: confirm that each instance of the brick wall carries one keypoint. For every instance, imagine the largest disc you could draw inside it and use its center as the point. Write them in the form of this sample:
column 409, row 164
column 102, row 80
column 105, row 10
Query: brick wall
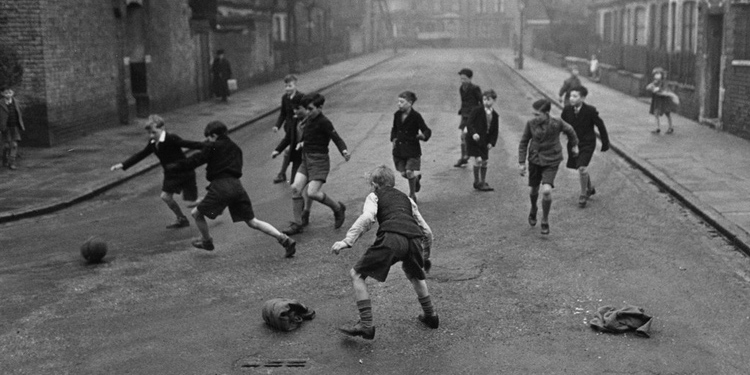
column 247, row 52
column 736, row 105
column 80, row 72
column 20, row 29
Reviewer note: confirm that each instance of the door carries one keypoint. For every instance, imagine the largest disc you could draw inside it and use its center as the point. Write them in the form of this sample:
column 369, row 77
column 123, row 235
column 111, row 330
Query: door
column 714, row 32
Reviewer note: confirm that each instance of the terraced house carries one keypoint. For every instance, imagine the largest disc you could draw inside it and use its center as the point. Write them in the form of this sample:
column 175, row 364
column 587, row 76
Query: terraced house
column 704, row 45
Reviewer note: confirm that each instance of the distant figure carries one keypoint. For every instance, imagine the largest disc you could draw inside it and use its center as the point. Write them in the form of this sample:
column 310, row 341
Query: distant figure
column 568, row 84
column 482, row 132
column 471, row 97
column 594, row 68
column 11, row 126
column 663, row 100
column 221, row 72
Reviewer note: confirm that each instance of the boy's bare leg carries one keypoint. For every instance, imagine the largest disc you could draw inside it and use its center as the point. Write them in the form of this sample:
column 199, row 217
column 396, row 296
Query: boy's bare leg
column 288, row 243
column 412, row 179
column 206, row 242
column 182, row 221
column 546, row 206
column 298, row 188
column 315, row 192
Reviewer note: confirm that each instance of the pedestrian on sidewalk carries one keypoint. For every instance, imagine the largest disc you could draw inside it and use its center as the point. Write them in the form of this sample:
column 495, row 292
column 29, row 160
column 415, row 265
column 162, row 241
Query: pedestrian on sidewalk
column 584, row 118
column 663, row 100
column 403, row 236
column 408, row 129
column 223, row 159
column 594, row 69
column 11, row 126
column 221, row 71
column 168, row 148
column 317, row 133
column 482, row 131
column 541, row 142
column 471, row 97
column 569, row 83
column 289, row 101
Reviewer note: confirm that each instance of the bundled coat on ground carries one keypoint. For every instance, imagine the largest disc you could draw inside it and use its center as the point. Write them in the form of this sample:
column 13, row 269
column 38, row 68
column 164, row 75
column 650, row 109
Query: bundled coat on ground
column 286, row 314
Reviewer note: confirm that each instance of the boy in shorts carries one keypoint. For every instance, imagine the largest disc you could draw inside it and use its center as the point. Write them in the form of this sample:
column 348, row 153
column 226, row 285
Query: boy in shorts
column 583, row 118
column 482, row 129
column 223, row 159
column 541, row 142
column 168, row 148
column 408, row 129
column 401, row 234
column 288, row 120
column 317, row 133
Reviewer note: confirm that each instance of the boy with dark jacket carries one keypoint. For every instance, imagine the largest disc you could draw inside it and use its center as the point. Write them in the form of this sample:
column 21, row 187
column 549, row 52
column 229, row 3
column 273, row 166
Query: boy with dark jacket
column 408, row 129
column 583, row 118
column 223, row 159
column 403, row 236
column 482, row 131
column 288, row 120
column 317, row 133
column 168, row 148
column 11, row 126
column 471, row 97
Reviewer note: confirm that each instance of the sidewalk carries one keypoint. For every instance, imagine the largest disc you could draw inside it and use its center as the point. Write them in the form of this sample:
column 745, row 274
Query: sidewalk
column 705, row 169
column 49, row 179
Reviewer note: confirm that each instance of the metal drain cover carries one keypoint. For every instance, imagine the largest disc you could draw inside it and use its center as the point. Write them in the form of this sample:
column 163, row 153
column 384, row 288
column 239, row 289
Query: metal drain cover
column 259, row 363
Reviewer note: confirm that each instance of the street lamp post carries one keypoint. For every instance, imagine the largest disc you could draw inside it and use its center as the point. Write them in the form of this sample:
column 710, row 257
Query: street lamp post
column 522, row 16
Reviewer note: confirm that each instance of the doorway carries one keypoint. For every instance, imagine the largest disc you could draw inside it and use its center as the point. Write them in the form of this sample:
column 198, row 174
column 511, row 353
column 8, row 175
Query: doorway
column 714, row 34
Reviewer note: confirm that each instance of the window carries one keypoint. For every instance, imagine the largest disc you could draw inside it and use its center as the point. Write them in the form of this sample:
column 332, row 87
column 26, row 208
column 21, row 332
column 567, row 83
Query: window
column 688, row 26
column 624, row 27
column 607, row 30
column 279, row 27
column 663, row 26
column 652, row 26
column 640, row 26
column 742, row 32
column 673, row 28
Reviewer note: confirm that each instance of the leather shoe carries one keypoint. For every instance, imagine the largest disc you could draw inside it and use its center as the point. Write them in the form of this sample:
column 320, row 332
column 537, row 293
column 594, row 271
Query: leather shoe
column 204, row 244
column 339, row 216
column 279, row 179
column 290, row 245
column 483, row 186
column 460, row 163
column 293, row 229
column 180, row 223
column 545, row 228
column 582, row 200
column 591, row 192
column 532, row 218
column 432, row 321
column 367, row 333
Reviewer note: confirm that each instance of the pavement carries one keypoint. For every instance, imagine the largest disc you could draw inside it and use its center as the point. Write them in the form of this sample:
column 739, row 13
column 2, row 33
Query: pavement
column 703, row 168
column 50, row 179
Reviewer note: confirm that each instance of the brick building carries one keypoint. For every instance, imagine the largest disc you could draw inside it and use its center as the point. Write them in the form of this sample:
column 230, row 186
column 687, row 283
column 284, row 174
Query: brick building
column 704, row 45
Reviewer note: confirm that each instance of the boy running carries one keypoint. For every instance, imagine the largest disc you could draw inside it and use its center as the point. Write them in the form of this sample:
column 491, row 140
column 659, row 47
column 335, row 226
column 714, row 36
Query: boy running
column 408, row 129
column 168, row 148
column 541, row 141
column 584, row 117
column 317, row 133
column 401, row 230
column 287, row 118
column 482, row 129
column 223, row 159
column 471, row 97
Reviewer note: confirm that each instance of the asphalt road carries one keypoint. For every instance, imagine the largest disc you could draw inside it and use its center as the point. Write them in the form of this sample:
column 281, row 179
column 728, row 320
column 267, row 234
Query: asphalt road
column 511, row 301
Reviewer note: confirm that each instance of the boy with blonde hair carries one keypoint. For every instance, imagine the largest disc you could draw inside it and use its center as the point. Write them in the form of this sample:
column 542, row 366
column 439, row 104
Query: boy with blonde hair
column 168, row 148
column 403, row 236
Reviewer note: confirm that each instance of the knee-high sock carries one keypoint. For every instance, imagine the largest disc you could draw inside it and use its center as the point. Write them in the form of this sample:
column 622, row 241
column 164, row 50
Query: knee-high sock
column 546, row 205
column 365, row 312
column 427, row 307
column 330, row 203
column 298, row 204
column 476, row 175
column 585, row 181
column 483, row 172
column 534, row 198
column 285, row 164
column 412, row 185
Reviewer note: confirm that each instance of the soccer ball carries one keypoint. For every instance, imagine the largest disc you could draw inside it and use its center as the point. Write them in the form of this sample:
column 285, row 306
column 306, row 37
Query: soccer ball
column 93, row 250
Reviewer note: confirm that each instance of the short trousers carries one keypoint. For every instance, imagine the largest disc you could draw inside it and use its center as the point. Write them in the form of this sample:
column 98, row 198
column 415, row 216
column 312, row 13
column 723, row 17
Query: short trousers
column 11, row 134
column 389, row 249
column 477, row 149
column 407, row 164
column 227, row 192
column 315, row 166
column 584, row 156
column 184, row 184
column 542, row 174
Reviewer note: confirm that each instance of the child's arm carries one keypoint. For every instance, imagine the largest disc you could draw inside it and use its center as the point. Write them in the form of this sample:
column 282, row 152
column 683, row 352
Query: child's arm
column 192, row 162
column 599, row 123
column 470, row 128
column 422, row 224
column 131, row 161
column 426, row 132
column 282, row 115
column 572, row 137
column 494, row 130
column 336, row 138
column 193, row 145
column 363, row 223
column 393, row 128
column 286, row 141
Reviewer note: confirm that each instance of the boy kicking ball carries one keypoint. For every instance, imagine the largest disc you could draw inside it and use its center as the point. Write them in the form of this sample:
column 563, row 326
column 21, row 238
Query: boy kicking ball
column 168, row 148
column 223, row 159
column 401, row 230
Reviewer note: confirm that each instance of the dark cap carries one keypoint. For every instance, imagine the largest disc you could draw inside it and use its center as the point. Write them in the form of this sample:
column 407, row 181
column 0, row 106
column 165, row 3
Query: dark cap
column 467, row 72
column 542, row 105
